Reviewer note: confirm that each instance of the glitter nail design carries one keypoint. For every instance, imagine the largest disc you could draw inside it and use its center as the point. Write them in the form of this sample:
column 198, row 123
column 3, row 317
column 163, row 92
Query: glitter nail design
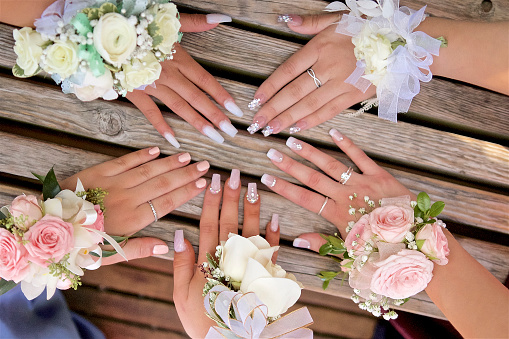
column 284, row 18
column 294, row 129
column 254, row 104
column 252, row 194
column 268, row 130
column 253, row 128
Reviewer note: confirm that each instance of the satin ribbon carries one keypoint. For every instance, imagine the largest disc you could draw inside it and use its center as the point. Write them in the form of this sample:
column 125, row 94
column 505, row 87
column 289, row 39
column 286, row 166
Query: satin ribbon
column 88, row 52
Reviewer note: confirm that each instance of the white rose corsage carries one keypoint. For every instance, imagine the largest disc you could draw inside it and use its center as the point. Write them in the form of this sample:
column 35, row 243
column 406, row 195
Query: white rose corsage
column 389, row 251
column 49, row 243
column 246, row 293
column 99, row 49
column 390, row 55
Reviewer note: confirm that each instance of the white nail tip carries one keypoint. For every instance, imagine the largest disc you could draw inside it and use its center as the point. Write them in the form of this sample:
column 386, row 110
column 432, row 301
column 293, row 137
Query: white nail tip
column 171, row 139
column 213, row 134
column 233, row 108
column 228, row 128
column 217, row 18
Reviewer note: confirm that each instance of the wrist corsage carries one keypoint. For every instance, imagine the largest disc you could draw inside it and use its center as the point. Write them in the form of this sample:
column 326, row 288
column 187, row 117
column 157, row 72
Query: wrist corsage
column 99, row 48
column 389, row 251
column 246, row 293
column 49, row 243
column 390, row 55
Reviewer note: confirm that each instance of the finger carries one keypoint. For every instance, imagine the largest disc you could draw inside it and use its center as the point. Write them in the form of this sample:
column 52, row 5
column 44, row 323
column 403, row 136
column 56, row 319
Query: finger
column 251, row 225
column 272, row 234
column 183, row 266
column 150, row 110
column 201, row 22
column 312, row 24
column 230, row 209
column 311, row 241
column 127, row 162
column 138, row 248
column 365, row 164
column 209, row 225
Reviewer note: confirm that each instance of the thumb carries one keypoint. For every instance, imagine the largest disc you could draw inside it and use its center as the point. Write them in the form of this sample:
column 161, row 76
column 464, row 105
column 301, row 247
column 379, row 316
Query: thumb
column 183, row 265
column 201, row 22
column 311, row 24
column 310, row 241
column 138, row 248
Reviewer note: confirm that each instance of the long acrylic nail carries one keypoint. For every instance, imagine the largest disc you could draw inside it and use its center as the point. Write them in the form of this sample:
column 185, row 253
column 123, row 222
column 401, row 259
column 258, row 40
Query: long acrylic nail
column 268, row 180
column 160, row 249
column 258, row 123
column 294, row 144
column 184, row 157
column 274, row 127
column 274, row 222
column 335, row 134
column 203, row 166
column 234, row 179
column 153, row 151
column 254, row 104
column 301, row 243
column 228, row 128
column 232, row 107
column 178, row 241
column 252, row 193
column 171, row 139
column 217, row 18
column 290, row 19
column 215, row 185
column 213, row 134
column 200, row 183
column 275, row 155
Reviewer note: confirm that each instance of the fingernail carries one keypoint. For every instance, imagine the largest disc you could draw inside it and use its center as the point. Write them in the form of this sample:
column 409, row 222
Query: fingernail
column 301, row 243
column 336, row 135
column 153, row 150
column 234, row 179
column 171, row 139
column 184, row 157
column 274, row 222
column 252, row 193
column 254, row 104
column 160, row 249
column 200, row 183
column 228, row 128
column 275, row 155
column 290, row 19
column 232, row 107
column 217, row 18
column 294, row 129
column 268, row 180
column 178, row 241
column 203, row 166
column 272, row 128
column 294, row 144
column 213, row 134
column 258, row 123
column 215, row 185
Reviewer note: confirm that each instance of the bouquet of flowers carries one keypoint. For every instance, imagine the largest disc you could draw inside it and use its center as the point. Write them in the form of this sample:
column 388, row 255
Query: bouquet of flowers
column 389, row 251
column 246, row 293
column 98, row 48
column 49, row 243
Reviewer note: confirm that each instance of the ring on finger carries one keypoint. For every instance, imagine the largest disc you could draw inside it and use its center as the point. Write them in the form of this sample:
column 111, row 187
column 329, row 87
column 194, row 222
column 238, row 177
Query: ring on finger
column 311, row 73
column 153, row 210
column 323, row 206
column 345, row 176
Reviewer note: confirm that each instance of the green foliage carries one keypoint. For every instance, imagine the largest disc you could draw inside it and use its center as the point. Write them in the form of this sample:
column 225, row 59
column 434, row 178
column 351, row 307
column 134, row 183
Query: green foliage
column 326, row 277
column 19, row 72
column 50, row 186
column 436, row 209
column 2, row 216
column 419, row 243
column 6, row 285
column 95, row 196
column 105, row 253
column 399, row 42
column 333, row 246
column 443, row 41
column 59, row 269
column 117, row 238
column 423, row 201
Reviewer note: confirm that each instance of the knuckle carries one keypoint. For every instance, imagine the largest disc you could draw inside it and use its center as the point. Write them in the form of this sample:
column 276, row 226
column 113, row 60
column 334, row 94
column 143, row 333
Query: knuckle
column 289, row 68
column 178, row 105
column 229, row 225
column 121, row 162
column 151, row 113
column 314, row 179
column 304, row 199
column 204, row 78
column 168, row 203
column 311, row 103
column 315, row 21
column 333, row 166
column 163, row 183
column 145, row 172
column 296, row 91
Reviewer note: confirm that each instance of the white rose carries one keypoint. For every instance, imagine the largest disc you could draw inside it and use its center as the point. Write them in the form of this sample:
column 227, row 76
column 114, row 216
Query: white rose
column 169, row 26
column 71, row 208
column 114, row 38
column 62, row 58
column 94, row 87
column 28, row 49
column 136, row 74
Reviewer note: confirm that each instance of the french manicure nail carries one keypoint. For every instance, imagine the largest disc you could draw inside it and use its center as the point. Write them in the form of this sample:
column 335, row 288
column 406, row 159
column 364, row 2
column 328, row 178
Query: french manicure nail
column 254, row 104
column 160, row 249
column 275, row 155
column 234, row 179
column 294, row 144
column 336, row 135
column 290, row 19
column 171, row 139
column 274, row 222
column 203, row 166
column 252, row 193
column 213, row 134
column 215, row 185
column 217, row 18
column 178, row 241
column 268, row 180
column 301, row 243
column 184, row 157
column 232, row 107
column 200, row 183
column 153, row 150
column 228, row 128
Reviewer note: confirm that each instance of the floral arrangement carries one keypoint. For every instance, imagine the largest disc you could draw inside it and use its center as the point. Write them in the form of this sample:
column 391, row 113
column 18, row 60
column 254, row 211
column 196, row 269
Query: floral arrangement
column 390, row 55
column 389, row 251
column 49, row 243
column 246, row 293
column 97, row 48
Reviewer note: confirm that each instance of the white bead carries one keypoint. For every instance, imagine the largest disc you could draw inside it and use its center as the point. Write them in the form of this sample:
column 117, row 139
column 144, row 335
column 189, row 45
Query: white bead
column 123, row 11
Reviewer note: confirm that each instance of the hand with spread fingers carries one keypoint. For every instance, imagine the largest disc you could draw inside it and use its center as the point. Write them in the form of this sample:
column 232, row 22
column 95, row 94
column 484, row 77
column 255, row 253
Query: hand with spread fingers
column 215, row 226
column 141, row 189
column 183, row 87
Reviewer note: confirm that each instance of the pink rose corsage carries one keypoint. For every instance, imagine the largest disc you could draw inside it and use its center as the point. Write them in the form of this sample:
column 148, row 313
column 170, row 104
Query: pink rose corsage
column 389, row 251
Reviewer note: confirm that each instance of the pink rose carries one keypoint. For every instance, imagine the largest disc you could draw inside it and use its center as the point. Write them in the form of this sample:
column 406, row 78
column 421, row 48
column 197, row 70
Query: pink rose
column 402, row 275
column 13, row 257
column 49, row 240
column 27, row 206
column 360, row 234
column 391, row 223
column 435, row 244
column 97, row 225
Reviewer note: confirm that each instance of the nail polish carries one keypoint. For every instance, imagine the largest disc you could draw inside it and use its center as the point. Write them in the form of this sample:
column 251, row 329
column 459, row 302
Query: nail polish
column 213, row 134
column 290, row 19
column 258, row 123
column 232, row 107
column 274, row 222
column 294, row 129
column 336, row 135
column 178, row 241
column 184, row 157
column 301, row 243
column 275, row 155
column 203, row 166
column 234, row 179
column 228, row 128
column 153, row 151
column 200, row 183
column 294, row 144
column 160, row 249
column 252, row 193
column 267, row 131
column 268, row 180
column 171, row 139
column 215, row 185
column 217, row 18
column 254, row 104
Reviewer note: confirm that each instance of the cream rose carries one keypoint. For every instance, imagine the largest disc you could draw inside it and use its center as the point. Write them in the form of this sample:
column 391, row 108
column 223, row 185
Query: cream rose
column 114, row 38
column 169, row 26
column 136, row 74
column 28, row 49
column 62, row 58
column 96, row 87
column 435, row 244
column 391, row 223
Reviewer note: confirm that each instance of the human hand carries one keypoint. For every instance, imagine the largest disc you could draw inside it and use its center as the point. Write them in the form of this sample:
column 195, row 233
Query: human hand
column 181, row 88
column 214, row 227
column 131, row 181
column 291, row 97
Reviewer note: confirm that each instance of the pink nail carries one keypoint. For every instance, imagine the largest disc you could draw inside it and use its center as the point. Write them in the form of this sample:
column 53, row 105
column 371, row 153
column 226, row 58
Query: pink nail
column 160, row 249
column 184, row 157
column 200, row 183
column 268, row 180
column 153, row 150
column 290, row 19
column 336, row 135
column 275, row 155
column 234, row 179
column 274, row 223
column 215, row 185
column 252, row 193
column 301, row 243
column 294, row 144
column 178, row 241
column 203, row 166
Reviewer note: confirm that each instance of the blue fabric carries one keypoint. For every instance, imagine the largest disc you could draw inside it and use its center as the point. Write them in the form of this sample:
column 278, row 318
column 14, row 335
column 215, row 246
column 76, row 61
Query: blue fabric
column 41, row 318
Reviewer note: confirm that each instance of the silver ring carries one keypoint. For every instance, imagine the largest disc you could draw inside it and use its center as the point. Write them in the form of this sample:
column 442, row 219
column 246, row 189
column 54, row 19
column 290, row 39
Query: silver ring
column 311, row 73
column 323, row 206
column 345, row 176
column 153, row 210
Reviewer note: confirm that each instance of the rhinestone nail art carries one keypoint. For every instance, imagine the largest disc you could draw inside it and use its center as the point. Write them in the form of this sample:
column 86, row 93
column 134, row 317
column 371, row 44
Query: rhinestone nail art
column 284, row 18
column 268, row 130
column 253, row 128
column 254, row 104
column 252, row 194
column 294, row 129
column 294, row 143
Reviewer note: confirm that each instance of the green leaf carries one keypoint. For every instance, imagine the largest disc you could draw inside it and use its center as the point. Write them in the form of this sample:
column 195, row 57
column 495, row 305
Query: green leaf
column 105, row 253
column 338, row 251
column 328, row 275
column 6, row 285
column 430, row 221
column 152, row 29
column 40, row 177
column 20, row 72
column 423, row 201
column 2, row 216
column 418, row 213
column 336, row 242
column 117, row 239
column 325, row 249
column 419, row 243
column 326, row 237
column 436, row 209
column 156, row 40
column 325, row 284
column 50, row 186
